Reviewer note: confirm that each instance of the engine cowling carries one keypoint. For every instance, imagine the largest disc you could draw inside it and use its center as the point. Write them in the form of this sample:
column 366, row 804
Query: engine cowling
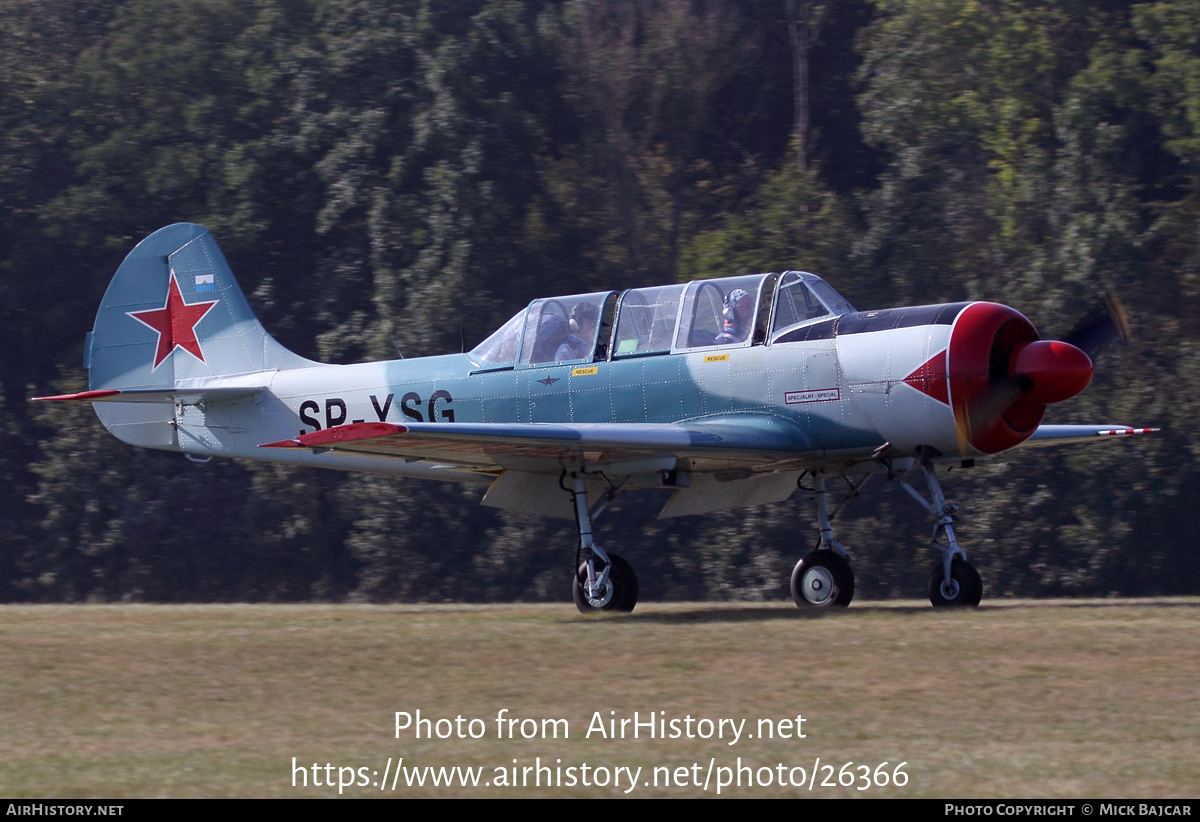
column 1002, row 375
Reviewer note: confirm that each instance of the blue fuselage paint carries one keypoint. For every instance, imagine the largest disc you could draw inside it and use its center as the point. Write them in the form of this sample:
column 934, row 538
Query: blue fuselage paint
column 802, row 382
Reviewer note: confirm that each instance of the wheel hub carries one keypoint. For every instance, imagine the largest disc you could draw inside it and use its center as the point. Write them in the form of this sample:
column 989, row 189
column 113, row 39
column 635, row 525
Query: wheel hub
column 817, row 585
column 950, row 589
column 600, row 595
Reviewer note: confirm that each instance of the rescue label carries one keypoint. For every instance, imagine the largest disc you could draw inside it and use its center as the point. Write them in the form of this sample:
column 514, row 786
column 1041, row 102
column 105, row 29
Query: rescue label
column 584, row 372
column 716, row 357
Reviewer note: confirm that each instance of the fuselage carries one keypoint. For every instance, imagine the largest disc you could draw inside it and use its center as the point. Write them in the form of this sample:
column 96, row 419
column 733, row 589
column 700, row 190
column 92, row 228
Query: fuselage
column 769, row 349
column 850, row 391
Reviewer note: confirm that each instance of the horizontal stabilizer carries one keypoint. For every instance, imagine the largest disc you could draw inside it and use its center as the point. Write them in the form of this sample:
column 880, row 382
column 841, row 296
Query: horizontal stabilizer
column 189, row 396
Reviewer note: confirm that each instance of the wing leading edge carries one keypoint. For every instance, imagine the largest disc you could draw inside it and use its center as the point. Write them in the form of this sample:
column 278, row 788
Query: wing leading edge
column 759, row 442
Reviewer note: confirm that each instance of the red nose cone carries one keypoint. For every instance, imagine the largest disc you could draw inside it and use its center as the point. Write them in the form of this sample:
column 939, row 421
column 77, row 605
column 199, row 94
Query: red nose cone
column 1050, row 371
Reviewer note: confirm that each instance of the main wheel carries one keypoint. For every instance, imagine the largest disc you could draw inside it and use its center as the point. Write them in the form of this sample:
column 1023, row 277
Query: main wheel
column 823, row 579
column 966, row 588
column 620, row 592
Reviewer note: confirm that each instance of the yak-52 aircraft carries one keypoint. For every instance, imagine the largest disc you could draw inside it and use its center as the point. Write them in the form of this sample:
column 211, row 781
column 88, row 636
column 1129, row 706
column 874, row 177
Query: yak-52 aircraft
column 727, row 392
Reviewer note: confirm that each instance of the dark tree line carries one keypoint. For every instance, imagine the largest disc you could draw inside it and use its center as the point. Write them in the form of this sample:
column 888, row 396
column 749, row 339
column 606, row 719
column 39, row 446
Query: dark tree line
column 410, row 174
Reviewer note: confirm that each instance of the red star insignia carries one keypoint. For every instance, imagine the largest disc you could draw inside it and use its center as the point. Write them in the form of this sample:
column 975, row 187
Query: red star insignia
column 175, row 323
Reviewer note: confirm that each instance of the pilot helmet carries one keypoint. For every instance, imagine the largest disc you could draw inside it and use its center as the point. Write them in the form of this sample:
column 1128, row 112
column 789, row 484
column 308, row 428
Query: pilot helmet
column 729, row 313
column 581, row 312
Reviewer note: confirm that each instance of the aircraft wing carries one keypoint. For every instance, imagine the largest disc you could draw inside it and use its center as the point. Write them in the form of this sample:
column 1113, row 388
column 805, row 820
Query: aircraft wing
column 1068, row 434
column 624, row 448
column 728, row 461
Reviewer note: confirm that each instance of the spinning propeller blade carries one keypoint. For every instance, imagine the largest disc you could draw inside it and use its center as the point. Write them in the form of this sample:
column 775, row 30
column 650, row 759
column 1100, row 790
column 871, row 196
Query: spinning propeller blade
column 1100, row 327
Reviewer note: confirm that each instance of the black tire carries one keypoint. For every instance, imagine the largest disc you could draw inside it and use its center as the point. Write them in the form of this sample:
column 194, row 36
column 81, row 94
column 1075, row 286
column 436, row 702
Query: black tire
column 624, row 588
column 823, row 579
column 970, row 586
column 976, row 583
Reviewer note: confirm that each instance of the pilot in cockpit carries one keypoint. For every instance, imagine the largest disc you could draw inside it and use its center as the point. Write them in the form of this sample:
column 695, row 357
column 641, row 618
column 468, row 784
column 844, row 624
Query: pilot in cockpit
column 738, row 317
column 582, row 324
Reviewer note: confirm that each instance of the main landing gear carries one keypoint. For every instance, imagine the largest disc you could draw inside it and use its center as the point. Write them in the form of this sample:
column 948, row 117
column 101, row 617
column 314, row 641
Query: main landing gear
column 603, row 581
column 824, row 579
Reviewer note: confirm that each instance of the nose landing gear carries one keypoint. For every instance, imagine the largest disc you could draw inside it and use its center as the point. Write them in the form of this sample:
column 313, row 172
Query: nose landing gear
column 954, row 581
column 963, row 588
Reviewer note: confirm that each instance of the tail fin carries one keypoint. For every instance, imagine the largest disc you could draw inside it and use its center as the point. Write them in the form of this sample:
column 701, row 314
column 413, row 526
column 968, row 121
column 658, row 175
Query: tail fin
column 174, row 336
column 174, row 314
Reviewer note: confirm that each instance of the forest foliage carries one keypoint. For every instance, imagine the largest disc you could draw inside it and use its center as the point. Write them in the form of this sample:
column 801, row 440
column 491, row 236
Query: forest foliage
column 410, row 174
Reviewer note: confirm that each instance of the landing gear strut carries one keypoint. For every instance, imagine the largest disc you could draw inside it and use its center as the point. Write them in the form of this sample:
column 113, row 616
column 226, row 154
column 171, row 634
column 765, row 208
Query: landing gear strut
column 603, row 581
column 954, row 581
column 824, row 578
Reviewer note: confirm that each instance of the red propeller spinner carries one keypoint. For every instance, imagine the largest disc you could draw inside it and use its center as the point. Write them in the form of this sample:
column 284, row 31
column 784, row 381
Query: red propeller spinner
column 1049, row 371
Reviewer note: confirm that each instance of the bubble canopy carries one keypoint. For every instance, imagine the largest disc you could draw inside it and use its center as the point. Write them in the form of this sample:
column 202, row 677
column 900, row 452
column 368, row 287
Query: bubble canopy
column 723, row 312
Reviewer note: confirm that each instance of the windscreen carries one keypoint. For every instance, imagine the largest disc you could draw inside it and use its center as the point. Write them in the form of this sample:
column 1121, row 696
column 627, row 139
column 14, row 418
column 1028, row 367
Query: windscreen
column 802, row 298
column 501, row 347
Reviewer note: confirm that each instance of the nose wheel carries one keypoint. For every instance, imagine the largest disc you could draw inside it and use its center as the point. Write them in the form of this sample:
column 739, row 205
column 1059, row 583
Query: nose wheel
column 964, row 588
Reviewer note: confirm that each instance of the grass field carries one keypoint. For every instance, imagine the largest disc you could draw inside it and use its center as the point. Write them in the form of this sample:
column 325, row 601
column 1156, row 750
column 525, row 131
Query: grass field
column 1018, row 699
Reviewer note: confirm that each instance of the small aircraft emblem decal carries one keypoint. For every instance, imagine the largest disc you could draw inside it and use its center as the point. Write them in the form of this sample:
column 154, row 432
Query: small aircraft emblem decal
column 549, row 380
column 175, row 323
